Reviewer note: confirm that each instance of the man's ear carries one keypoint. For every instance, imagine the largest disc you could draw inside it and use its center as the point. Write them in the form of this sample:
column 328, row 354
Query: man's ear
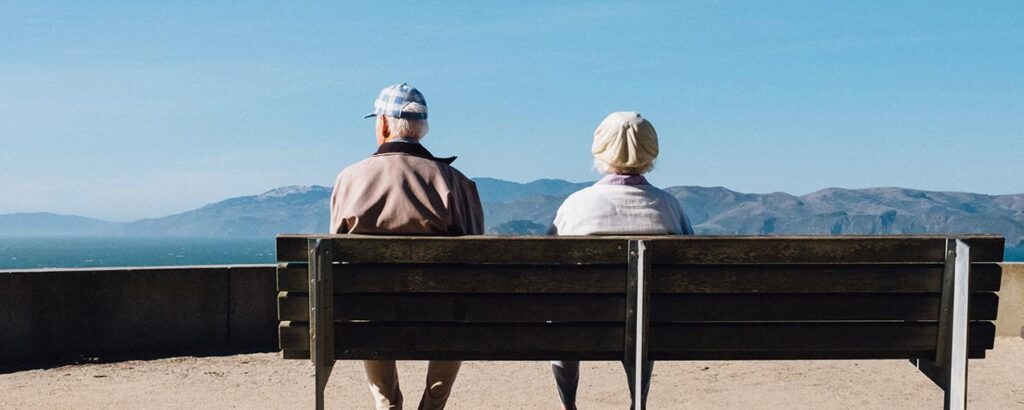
column 385, row 132
column 382, row 131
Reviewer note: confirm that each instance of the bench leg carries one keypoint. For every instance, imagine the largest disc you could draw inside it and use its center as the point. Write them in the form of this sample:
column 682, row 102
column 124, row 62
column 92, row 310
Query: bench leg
column 321, row 314
column 637, row 295
column 323, row 373
column 949, row 368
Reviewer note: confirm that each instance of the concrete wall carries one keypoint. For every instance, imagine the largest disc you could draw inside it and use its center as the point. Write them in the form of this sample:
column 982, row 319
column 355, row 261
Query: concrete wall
column 67, row 315
column 1010, row 321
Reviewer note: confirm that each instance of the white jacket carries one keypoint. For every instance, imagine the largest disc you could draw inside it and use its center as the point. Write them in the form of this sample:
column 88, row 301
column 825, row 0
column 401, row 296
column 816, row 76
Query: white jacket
column 621, row 205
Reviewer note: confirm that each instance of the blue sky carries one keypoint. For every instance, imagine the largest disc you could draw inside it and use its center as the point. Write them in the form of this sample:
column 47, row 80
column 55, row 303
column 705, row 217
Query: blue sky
column 128, row 111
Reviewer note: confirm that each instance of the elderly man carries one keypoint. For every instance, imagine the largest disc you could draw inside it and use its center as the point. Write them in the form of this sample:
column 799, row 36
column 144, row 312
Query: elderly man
column 404, row 190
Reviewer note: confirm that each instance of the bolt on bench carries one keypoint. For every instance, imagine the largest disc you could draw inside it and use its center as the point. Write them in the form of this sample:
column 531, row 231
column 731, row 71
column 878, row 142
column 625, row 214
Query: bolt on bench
column 929, row 299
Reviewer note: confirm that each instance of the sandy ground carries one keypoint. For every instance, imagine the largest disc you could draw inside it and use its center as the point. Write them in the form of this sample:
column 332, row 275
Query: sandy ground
column 264, row 381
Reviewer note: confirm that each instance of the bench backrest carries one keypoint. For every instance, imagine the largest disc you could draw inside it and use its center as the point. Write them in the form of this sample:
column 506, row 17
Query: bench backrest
column 537, row 298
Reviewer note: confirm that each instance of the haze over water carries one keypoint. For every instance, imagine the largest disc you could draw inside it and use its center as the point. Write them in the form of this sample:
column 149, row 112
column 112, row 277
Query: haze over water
column 89, row 252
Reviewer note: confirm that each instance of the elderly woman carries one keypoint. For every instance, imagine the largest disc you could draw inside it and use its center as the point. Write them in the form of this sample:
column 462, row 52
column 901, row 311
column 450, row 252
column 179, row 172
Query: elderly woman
column 621, row 203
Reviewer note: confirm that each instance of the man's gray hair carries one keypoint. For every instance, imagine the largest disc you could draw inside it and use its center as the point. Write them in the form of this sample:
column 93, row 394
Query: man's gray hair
column 406, row 128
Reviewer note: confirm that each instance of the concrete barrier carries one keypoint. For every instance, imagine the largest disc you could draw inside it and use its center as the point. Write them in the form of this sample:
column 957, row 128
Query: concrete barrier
column 1010, row 321
column 69, row 315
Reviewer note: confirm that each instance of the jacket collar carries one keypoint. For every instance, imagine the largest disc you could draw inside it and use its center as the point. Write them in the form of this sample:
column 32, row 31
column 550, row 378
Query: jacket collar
column 413, row 149
column 623, row 179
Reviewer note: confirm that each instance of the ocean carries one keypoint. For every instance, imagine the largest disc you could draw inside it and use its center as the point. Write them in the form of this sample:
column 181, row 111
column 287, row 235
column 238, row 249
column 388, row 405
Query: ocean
column 88, row 252
column 1014, row 254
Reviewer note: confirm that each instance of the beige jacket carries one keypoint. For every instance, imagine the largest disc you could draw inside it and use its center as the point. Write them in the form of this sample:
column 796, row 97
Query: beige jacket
column 404, row 190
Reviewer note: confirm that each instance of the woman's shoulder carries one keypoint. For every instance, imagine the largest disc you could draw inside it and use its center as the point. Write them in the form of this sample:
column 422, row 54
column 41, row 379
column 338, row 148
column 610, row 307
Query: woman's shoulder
column 588, row 196
column 668, row 195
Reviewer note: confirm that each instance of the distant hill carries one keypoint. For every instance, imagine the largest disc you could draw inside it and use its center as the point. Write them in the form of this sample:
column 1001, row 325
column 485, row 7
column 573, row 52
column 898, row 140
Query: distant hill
column 853, row 211
column 499, row 191
column 46, row 224
column 290, row 209
column 512, row 208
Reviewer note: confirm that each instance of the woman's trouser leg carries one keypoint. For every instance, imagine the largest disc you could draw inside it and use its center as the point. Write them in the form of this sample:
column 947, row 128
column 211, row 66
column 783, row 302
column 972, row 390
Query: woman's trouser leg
column 440, row 379
column 567, row 378
column 382, row 376
column 648, row 368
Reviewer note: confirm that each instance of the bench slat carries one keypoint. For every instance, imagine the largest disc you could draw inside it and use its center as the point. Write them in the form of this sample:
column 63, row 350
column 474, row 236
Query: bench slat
column 292, row 276
column 972, row 354
column 604, row 342
column 373, row 278
column 815, row 278
column 610, row 308
column 293, row 248
column 454, row 278
column 468, row 341
column 293, row 335
column 818, row 249
column 295, row 354
column 606, row 250
column 466, row 249
column 464, row 308
column 809, row 307
column 714, row 341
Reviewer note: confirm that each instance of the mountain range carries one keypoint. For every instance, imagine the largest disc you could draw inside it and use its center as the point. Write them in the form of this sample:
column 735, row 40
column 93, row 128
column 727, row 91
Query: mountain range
column 512, row 208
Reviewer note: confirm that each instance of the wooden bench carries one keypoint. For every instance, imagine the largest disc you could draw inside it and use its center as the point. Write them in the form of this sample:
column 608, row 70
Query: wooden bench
column 929, row 299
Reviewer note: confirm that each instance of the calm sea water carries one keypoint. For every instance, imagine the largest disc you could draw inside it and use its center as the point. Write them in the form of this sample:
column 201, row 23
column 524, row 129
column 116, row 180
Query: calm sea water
column 84, row 252
column 1014, row 255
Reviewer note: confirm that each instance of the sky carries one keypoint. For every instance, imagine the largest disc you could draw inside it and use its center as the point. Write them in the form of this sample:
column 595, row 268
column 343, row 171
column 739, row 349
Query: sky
column 125, row 111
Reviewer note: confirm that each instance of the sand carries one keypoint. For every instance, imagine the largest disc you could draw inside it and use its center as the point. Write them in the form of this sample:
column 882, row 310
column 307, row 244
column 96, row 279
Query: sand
column 264, row 381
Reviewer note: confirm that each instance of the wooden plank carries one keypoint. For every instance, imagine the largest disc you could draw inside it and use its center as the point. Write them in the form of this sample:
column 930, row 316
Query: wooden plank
column 832, row 355
column 815, row 249
column 985, row 248
column 809, row 307
column 292, row 276
column 550, row 341
column 291, row 355
column 542, row 341
column 728, row 341
column 804, row 355
column 480, row 250
column 525, row 308
column 293, row 306
column 452, row 278
column 293, row 248
column 389, row 278
column 813, row 278
column 501, row 308
column 986, row 277
column 293, row 335
column 693, row 249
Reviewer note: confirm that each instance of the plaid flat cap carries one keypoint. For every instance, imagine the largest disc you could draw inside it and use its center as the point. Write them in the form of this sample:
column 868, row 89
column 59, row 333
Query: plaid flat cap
column 393, row 99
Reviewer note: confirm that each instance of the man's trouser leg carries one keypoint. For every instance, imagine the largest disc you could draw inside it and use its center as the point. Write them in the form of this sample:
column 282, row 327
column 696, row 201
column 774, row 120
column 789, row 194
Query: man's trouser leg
column 567, row 379
column 440, row 378
column 382, row 376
